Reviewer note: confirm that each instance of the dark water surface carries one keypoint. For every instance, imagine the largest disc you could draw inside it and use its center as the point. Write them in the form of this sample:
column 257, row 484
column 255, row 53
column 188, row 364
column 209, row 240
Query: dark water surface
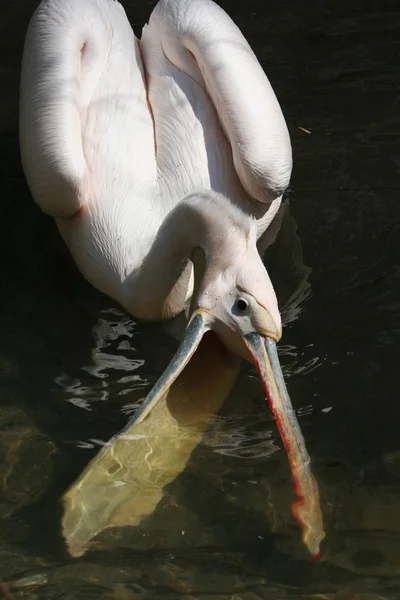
column 72, row 365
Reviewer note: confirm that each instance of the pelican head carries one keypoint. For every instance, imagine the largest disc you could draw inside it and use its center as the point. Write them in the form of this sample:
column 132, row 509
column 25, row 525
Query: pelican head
column 236, row 293
column 232, row 292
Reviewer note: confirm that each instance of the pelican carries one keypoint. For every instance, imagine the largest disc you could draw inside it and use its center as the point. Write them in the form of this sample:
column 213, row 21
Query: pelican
column 163, row 162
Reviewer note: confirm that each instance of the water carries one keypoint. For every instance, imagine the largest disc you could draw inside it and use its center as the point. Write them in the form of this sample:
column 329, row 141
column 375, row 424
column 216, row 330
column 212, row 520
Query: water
column 72, row 366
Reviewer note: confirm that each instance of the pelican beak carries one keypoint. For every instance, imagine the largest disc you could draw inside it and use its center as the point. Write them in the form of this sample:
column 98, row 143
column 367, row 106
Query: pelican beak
column 198, row 325
column 264, row 354
column 306, row 508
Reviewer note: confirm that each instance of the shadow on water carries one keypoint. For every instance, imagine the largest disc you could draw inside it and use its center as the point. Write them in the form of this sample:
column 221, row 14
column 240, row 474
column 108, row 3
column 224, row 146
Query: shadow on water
column 73, row 365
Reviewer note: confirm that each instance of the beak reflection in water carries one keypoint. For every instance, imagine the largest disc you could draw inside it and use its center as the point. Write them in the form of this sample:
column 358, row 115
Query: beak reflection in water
column 125, row 480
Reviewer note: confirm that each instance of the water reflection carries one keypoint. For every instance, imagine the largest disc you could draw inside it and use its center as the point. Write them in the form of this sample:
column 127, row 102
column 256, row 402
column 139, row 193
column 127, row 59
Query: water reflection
column 113, row 337
column 244, row 436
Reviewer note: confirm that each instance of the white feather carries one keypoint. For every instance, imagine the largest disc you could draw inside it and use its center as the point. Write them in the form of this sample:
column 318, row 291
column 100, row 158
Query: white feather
column 115, row 134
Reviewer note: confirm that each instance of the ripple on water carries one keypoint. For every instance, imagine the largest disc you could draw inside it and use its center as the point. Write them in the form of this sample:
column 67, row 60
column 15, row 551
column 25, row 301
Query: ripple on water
column 241, row 436
column 112, row 351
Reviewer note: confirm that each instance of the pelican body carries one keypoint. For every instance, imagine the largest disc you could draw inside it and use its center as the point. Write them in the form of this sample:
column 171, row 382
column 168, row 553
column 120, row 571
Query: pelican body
column 163, row 161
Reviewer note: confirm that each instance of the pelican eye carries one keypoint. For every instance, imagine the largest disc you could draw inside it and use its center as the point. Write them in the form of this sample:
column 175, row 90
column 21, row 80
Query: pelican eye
column 242, row 305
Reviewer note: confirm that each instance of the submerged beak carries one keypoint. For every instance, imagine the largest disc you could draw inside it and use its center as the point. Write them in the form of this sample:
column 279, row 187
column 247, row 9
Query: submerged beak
column 199, row 324
column 306, row 508
column 264, row 354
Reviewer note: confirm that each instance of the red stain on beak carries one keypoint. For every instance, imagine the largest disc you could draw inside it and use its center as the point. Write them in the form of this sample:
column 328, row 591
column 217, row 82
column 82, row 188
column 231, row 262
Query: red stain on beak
column 306, row 508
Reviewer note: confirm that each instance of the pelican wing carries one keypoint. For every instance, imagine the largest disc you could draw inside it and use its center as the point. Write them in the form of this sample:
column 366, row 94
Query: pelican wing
column 200, row 39
column 84, row 120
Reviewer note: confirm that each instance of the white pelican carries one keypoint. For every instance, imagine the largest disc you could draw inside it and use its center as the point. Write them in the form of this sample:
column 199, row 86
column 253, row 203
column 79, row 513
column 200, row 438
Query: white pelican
column 163, row 161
